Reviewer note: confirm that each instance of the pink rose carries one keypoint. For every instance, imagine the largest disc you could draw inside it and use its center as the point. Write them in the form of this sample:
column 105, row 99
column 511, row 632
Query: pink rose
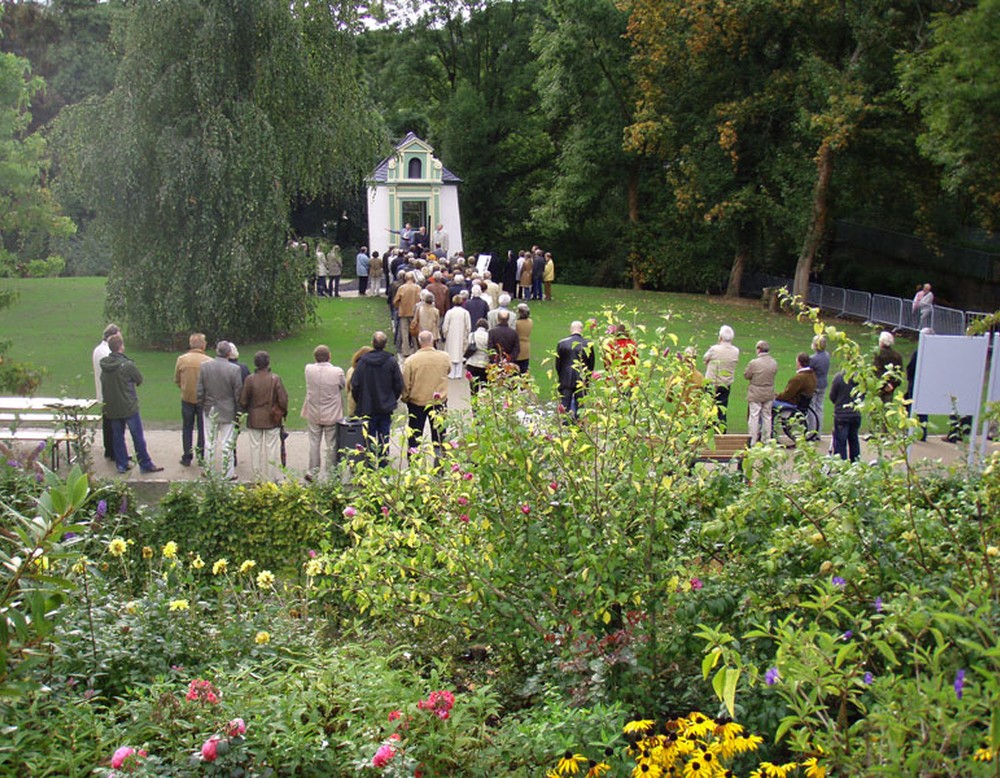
column 696, row 583
column 210, row 749
column 525, row 509
column 395, row 715
column 383, row 756
column 554, row 486
column 312, row 554
column 467, row 476
column 236, row 727
column 119, row 757
column 385, row 510
column 463, row 501
column 464, row 518
column 455, row 467
column 350, row 512
column 468, row 375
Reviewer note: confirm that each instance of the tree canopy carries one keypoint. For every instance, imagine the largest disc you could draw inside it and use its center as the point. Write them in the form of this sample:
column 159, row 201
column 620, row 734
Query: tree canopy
column 221, row 114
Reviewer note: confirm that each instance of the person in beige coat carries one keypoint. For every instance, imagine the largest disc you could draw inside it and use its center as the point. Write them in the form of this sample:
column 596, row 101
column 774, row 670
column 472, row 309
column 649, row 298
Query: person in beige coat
column 405, row 301
column 186, row 371
column 760, row 372
column 427, row 316
column 425, row 391
column 323, row 408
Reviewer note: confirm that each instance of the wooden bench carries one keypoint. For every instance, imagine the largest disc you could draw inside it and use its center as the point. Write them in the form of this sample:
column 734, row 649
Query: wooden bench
column 54, row 421
column 727, row 448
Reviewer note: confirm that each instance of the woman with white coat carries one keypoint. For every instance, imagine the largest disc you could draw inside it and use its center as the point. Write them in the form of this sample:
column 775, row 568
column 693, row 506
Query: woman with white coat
column 456, row 328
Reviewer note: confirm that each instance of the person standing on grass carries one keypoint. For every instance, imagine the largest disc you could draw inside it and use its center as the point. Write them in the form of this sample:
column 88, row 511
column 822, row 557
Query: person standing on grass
column 926, row 306
column 266, row 402
column 760, row 372
column 721, row 362
column 219, row 384
column 186, row 371
column 548, row 275
column 574, row 365
column 323, row 408
column 119, row 379
column 101, row 350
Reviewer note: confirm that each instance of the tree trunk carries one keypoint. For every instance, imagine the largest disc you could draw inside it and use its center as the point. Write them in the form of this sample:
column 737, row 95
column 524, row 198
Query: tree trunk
column 817, row 222
column 740, row 258
column 633, row 221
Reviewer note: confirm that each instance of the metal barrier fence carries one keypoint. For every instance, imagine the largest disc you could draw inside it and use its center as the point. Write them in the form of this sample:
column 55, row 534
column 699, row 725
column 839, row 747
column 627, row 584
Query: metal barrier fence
column 893, row 312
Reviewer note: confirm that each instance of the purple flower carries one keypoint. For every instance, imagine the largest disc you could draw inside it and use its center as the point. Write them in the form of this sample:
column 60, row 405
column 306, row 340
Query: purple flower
column 102, row 508
column 123, row 506
column 838, row 581
column 868, row 679
column 772, row 676
column 959, row 683
column 14, row 463
column 878, row 604
column 847, row 635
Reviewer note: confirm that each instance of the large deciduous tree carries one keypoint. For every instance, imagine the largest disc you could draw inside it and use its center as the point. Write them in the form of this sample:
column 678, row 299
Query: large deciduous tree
column 28, row 212
column 750, row 104
column 954, row 83
column 221, row 114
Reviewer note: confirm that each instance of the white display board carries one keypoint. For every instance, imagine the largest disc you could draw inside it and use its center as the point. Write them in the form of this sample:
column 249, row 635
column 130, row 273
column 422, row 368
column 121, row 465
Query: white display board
column 950, row 374
column 483, row 263
column 993, row 388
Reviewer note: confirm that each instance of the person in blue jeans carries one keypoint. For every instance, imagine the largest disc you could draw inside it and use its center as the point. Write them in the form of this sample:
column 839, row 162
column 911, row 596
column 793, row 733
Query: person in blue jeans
column 846, row 418
column 119, row 379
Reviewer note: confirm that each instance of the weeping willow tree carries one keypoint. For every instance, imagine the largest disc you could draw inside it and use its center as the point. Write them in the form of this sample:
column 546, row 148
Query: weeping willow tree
column 222, row 112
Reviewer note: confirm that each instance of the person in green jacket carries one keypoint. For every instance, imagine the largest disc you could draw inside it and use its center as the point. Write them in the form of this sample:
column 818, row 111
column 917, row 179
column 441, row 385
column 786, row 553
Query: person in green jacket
column 119, row 378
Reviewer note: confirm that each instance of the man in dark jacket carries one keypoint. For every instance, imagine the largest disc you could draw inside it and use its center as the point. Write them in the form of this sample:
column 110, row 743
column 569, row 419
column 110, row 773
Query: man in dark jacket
column 574, row 364
column 376, row 385
column 119, row 378
column 503, row 343
column 846, row 418
column 537, row 274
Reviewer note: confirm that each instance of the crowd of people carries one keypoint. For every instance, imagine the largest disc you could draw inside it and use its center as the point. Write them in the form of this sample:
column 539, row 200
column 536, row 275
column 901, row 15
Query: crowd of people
column 450, row 321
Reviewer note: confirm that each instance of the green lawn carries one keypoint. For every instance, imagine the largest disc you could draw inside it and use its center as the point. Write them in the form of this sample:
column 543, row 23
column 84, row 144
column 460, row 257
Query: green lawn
column 56, row 323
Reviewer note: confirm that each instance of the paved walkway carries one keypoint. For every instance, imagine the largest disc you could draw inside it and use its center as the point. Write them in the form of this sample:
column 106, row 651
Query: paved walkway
column 164, row 447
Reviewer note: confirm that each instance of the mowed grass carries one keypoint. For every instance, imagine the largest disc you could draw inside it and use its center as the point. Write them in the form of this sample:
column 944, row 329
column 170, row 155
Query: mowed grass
column 56, row 322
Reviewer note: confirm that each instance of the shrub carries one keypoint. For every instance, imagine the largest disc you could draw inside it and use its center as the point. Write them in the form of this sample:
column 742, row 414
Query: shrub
column 271, row 523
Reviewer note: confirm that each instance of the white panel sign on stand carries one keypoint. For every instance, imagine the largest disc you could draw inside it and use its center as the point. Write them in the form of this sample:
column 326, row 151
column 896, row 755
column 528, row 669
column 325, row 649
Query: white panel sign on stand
column 992, row 389
column 949, row 377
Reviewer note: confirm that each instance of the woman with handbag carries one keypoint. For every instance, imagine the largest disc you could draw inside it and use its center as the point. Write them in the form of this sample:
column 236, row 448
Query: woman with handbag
column 266, row 401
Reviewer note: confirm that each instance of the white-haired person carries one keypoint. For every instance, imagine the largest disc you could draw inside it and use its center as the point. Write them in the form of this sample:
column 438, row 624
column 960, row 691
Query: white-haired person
column 888, row 365
column 720, row 361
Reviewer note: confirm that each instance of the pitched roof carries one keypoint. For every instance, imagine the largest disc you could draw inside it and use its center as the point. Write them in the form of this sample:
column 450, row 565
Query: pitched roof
column 381, row 172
